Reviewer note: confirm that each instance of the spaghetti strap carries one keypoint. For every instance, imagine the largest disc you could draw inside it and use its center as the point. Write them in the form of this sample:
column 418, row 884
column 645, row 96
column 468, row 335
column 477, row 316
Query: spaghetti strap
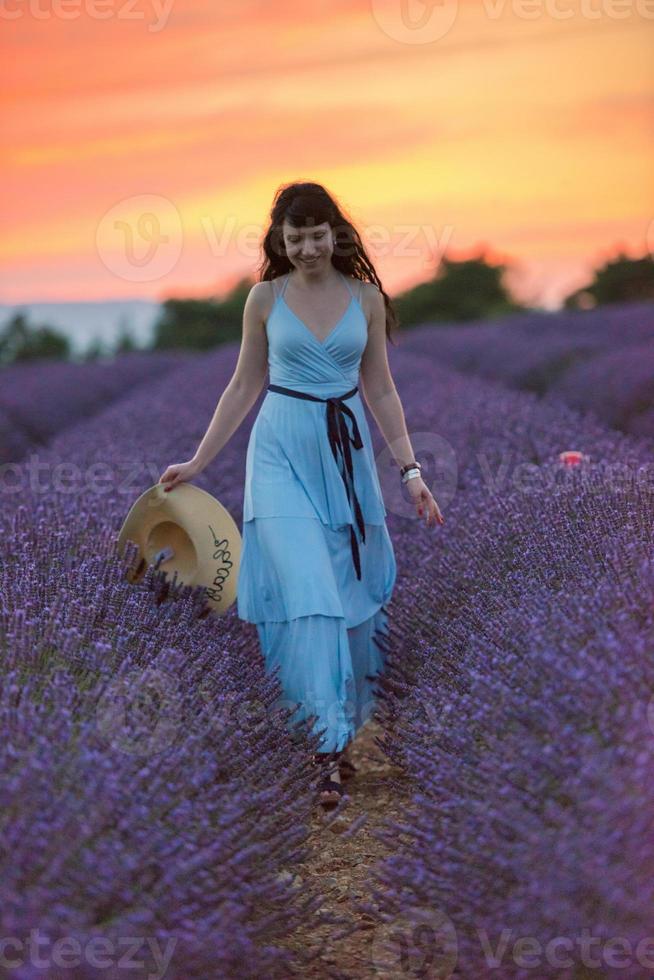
column 347, row 283
column 275, row 288
column 280, row 293
column 345, row 280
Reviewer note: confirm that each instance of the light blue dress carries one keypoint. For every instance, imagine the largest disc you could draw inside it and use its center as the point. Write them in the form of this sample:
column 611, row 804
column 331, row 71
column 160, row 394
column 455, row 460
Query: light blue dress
column 316, row 589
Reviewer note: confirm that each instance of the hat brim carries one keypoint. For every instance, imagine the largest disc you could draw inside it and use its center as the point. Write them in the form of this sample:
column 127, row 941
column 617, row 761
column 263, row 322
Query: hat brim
column 192, row 533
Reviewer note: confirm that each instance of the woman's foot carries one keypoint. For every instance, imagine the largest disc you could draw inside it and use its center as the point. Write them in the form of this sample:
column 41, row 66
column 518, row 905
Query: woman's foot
column 346, row 767
column 329, row 789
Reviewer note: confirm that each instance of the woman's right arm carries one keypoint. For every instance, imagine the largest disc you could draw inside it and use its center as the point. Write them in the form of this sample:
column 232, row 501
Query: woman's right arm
column 240, row 394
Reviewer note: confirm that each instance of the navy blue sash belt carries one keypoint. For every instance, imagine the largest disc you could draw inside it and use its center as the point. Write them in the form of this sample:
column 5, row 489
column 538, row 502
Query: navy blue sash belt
column 339, row 440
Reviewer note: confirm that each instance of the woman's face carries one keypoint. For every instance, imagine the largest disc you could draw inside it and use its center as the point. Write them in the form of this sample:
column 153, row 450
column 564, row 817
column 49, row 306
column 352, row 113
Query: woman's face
column 310, row 247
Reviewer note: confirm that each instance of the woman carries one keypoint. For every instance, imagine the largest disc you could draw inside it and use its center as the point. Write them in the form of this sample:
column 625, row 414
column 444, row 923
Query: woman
column 317, row 564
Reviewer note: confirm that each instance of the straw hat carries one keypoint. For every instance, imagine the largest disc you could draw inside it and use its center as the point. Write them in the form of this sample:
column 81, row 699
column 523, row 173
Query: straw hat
column 193, row 535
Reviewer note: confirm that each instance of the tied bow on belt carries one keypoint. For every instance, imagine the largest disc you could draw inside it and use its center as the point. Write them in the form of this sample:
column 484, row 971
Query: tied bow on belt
column 339, row 440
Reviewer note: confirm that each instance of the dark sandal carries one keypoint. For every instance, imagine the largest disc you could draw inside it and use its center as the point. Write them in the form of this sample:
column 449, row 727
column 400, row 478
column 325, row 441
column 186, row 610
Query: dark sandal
column 330, row 786
column 347, row 769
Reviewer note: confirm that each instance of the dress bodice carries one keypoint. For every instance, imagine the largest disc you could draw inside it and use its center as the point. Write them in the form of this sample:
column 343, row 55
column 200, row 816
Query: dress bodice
column 291, row 467
column 297, row 359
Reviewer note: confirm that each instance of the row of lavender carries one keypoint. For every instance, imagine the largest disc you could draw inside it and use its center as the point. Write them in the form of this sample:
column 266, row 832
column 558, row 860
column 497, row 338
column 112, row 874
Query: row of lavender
column 504, row 664
column 596, row 360
column 519, row 695
column 38, row 399
column 151, row 797
column 601, row 361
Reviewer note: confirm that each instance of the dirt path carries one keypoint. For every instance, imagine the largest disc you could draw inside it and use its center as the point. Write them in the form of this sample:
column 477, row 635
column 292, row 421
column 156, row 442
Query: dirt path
column 343, row 862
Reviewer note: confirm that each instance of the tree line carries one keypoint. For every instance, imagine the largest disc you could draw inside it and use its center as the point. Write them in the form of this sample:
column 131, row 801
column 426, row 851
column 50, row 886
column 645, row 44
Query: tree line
column 458, row 292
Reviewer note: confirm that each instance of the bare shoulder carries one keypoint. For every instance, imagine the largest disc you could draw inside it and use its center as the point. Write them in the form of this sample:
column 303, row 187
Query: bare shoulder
column 370, row 297
column 263, row 298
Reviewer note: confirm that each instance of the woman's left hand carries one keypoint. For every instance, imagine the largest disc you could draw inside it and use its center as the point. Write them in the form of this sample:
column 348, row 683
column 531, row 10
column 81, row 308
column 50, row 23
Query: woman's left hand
column 423, row 500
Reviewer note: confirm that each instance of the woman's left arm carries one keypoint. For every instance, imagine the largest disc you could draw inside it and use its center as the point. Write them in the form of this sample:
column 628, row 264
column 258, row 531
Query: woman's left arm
column 382, row 399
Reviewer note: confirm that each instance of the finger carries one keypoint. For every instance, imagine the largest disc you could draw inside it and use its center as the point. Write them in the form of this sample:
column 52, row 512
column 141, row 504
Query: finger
column 429, row 509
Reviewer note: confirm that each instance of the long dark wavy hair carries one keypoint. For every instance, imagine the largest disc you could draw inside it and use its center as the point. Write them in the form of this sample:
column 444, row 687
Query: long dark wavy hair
column 305, row 203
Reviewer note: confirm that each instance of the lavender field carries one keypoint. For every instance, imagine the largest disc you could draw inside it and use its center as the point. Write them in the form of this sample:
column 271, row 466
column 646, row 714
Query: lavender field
column 599, row 361
column 151, row 793
column 38, row 399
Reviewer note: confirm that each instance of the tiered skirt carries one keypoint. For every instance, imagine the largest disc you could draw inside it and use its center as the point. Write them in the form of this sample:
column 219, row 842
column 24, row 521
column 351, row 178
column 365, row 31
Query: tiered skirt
column 320, row 627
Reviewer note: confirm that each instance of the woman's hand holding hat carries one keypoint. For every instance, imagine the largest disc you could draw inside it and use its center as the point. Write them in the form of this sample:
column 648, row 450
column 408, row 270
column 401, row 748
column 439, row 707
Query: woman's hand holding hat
column 179, row 473
column 190, row 536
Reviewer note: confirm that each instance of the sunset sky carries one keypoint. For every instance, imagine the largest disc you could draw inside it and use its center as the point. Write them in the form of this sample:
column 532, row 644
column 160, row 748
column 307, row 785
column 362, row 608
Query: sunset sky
column 144, row 141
